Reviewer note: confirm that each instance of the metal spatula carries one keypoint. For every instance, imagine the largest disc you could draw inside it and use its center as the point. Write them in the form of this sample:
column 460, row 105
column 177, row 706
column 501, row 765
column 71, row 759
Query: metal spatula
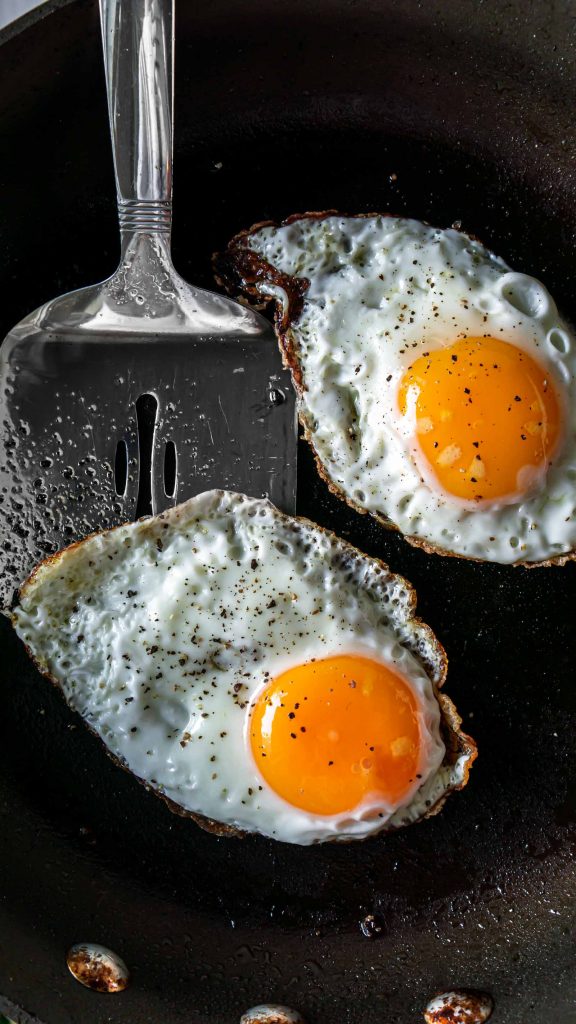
column 122, row 398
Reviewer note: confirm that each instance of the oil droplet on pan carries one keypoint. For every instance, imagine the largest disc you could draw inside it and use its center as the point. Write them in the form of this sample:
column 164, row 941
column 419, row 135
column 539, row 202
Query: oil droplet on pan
column 97, row 967
column 270, row 1013
column 459, row 1007
column 371, row 926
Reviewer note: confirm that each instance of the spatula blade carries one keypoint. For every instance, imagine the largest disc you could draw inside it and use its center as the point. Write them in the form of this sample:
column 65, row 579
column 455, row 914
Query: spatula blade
column 83, row 450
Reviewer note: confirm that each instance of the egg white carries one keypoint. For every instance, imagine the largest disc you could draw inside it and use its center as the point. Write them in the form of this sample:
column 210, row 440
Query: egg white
column 382, row 290
column 161, row 633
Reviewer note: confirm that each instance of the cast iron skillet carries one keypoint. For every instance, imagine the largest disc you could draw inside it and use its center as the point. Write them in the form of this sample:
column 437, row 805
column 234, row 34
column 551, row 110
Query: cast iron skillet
column 459, row 111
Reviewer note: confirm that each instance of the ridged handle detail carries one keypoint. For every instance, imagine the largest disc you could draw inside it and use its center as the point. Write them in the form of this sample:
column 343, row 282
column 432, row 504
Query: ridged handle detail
column 145, row 215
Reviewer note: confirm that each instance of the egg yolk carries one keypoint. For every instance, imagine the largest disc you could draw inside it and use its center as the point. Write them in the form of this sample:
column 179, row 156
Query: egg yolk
column 488, row 417
column 329, row 733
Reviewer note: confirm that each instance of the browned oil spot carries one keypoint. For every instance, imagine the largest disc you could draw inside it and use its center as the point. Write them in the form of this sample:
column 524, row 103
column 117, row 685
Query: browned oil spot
column 97, row 967
column 269, row 1013
column 459, row 1007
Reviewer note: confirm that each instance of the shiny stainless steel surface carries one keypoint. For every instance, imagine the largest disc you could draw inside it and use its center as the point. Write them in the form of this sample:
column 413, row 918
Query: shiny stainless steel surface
column 123, row 398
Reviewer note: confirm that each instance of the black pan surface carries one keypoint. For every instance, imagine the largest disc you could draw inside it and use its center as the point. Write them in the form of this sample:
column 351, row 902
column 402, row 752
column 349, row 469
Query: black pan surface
column 460, row 111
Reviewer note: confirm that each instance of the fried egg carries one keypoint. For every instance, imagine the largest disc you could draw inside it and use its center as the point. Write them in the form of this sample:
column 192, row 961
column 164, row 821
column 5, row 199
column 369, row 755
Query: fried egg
column 252, row 669
column 436, row 385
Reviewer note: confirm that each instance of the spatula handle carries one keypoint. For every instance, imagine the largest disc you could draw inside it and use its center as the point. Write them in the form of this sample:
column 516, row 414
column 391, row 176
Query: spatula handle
column 138, row 41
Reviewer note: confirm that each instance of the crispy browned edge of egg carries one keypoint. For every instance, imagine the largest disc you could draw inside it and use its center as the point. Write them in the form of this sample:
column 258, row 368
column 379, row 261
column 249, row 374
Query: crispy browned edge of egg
column 456, row 741
column 243, row 273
